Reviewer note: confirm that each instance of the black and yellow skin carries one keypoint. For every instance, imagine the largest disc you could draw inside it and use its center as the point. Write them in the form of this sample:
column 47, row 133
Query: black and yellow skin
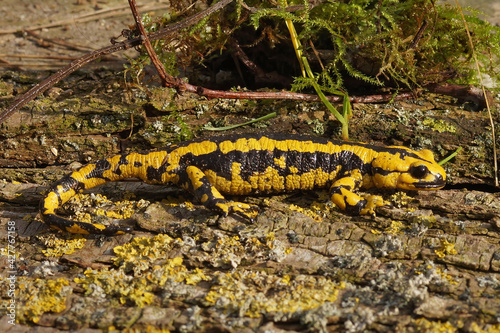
column 254, row 164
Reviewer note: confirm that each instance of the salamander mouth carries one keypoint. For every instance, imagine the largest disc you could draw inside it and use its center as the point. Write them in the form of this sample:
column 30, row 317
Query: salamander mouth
column 436, row 184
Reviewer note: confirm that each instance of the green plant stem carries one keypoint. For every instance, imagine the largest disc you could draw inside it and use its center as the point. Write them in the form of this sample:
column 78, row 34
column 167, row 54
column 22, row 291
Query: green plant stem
column 307, row 72
column 225, row 128
column 455, row 153
column 329, row 106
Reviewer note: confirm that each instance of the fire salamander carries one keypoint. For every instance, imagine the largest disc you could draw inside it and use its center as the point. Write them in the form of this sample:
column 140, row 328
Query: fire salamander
column 254, row 164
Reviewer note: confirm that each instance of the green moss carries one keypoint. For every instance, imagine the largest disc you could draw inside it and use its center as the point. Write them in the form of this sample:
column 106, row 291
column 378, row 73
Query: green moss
column 179, row 126
column 439, row 125
column 6, row 89
column 318, row 126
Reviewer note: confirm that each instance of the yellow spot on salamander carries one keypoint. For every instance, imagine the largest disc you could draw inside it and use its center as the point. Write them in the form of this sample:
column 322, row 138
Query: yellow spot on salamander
column 280, row 162
column 309, row 180
column 268, row 181
column 195, row 148
column 195, row 176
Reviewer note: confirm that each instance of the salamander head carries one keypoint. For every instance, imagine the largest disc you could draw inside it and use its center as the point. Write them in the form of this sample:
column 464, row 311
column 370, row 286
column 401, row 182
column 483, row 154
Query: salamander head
column 407, row 170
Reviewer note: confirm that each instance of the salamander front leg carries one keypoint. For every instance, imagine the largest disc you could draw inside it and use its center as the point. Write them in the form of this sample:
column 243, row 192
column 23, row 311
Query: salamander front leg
column 341, row 194
column 211, row 198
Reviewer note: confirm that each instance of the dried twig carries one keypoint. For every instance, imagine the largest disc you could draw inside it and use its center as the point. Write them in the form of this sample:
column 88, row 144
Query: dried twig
column 164, row 76
column 289, row 95
column 419, row 34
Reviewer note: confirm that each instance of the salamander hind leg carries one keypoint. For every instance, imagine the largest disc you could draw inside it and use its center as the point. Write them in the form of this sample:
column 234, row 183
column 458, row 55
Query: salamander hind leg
column 341, row 194
column 211, row 198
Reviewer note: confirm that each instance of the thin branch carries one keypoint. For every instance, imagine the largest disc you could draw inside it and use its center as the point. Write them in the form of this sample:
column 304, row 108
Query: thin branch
column 288, row 95
column 419, row 34
column 164, row 76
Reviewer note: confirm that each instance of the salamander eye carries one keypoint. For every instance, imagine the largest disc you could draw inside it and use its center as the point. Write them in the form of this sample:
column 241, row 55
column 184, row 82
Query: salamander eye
column 419, row 171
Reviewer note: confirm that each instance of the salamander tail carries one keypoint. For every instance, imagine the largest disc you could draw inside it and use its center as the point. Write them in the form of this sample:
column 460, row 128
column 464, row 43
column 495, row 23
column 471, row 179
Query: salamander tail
column 65, row 189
